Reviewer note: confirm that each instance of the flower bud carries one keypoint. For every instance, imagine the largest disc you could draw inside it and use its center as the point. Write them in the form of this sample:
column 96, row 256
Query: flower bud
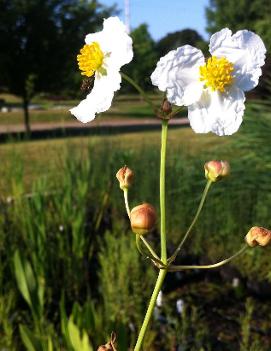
column 110, row 346
column 166, row 107
column 106, row 347
column 258, row 236
column 216, row 170
column 125, row 177
column 143, row 219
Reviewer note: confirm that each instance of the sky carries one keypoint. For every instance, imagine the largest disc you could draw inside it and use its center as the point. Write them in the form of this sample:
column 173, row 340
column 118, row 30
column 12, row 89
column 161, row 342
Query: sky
column 165, row 16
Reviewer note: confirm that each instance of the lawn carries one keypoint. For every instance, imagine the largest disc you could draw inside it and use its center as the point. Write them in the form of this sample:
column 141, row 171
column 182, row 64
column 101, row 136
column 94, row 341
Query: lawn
column 55, row 150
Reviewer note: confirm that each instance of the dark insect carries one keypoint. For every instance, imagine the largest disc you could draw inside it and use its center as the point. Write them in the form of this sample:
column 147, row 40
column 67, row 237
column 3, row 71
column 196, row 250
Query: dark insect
column 87, row 84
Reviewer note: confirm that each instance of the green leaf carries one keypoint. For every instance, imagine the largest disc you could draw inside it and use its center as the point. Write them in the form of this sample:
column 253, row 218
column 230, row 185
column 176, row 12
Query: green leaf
column 74, row 335
column 50, row 344
column 77, row 343
column 28, row 338
column 64, row 322
column 40, row 292
column 21, row 278
column 85, row 342
column 30, row 278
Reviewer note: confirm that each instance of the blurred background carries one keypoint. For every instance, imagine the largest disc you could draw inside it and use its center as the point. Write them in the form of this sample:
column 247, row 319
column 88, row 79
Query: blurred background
column 69, row 270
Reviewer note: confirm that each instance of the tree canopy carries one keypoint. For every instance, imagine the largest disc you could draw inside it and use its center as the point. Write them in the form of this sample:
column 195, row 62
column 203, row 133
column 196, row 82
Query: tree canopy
column 145, row 56
column 174, row 40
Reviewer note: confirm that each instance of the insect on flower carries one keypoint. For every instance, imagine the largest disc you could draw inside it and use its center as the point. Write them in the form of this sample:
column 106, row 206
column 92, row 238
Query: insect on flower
column 87, row 84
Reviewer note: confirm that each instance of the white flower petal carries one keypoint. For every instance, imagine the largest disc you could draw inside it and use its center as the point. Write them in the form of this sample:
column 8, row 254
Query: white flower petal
column 110, row 81
column 217, row 112
column 117, row 48
column 178, row 74
column 245, row 50
column 96, row 101
column 114, row 41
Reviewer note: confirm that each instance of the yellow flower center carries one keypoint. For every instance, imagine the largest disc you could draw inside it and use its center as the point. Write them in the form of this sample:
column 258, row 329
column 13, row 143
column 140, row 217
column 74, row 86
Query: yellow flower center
column 217, row 73
column 90, row 59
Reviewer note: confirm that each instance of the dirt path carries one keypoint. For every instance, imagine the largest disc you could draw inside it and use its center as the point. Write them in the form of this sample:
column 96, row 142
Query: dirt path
column 96, row 124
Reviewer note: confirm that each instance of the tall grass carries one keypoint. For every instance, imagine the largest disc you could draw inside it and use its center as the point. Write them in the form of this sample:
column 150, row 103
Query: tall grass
column 69, row 267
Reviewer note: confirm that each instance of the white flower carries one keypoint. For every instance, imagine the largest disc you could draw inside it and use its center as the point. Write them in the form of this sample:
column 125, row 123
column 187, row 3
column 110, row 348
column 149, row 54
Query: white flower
column 214, row 89
column 100, row 60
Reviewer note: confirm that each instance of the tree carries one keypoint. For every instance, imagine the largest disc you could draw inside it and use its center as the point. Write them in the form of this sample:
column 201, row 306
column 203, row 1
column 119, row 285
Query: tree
column 174, row 40
column 145, row 57
column 241, row 14
column 40, row 40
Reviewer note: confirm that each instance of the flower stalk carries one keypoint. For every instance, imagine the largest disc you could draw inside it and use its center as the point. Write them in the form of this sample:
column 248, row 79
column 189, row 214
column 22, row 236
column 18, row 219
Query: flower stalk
column 202, row 201
column 126, row 201
column 149, row 247
column 162, row 272
column 157, row 288
column 163, row 191
column 173, row 268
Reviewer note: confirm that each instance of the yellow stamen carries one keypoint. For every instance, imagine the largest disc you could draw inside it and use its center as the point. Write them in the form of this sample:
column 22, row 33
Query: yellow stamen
column 217, row 73
column 90, row 59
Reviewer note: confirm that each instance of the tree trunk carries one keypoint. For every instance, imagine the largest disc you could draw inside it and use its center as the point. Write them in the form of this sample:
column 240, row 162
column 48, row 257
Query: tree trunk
column 26, row 117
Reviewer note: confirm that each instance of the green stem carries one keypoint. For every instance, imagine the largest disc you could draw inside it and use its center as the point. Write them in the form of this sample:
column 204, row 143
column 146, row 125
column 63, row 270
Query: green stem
column 140, row 90
column 151, row 254
column 148, row 246
column 210, row 266
column 162, row 191
column 125, row 194
column 150, row 309
column 203, row 198
column 138, row 245
column 162, row 272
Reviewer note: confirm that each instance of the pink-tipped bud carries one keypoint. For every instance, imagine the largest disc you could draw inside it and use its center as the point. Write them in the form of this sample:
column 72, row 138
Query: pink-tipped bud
column 143, row 219
column 258, row 236
column 216, row 170
column 125, row 177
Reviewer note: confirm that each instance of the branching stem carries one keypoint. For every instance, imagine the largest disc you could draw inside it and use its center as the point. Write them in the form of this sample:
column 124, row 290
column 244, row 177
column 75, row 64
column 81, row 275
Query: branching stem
column 203, row 198
column 209, row 266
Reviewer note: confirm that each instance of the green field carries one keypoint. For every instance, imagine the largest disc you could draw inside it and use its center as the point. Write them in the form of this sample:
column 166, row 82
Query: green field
column 67, row 252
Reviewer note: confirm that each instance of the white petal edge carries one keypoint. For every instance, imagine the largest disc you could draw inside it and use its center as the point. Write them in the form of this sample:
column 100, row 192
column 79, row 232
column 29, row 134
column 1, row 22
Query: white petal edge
column 114, row 41
column 95, row 102
column 178, row 73
column 245, row 50
column 217, row 112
